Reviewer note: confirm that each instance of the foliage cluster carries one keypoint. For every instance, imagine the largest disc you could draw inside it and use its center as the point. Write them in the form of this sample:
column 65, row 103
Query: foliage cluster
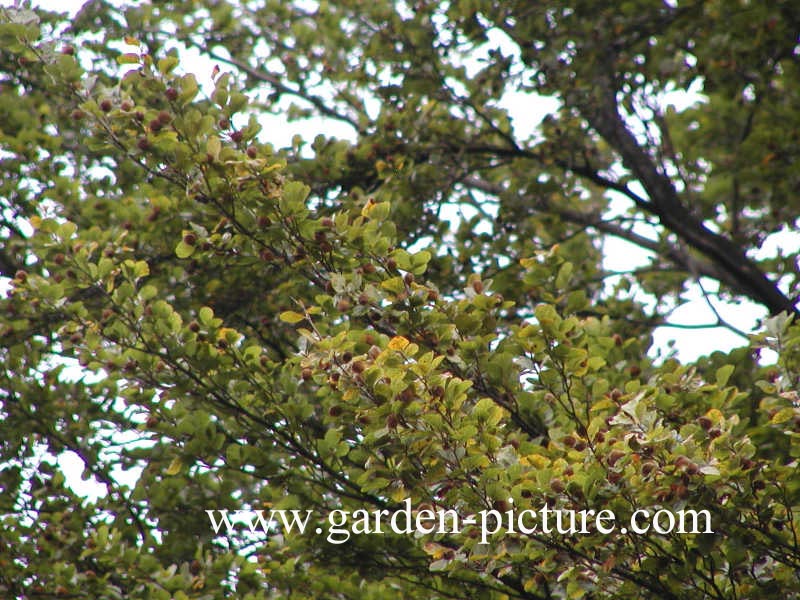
column 306, row 328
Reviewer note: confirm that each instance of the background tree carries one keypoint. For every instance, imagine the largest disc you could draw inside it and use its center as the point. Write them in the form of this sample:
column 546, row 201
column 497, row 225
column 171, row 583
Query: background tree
column 419, row 312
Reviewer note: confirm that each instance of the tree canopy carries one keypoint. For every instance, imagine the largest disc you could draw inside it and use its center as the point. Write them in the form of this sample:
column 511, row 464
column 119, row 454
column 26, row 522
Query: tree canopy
column 417, row 311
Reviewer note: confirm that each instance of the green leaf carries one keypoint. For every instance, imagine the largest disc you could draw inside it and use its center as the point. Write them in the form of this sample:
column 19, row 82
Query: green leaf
column 184, row 250
column 723, row 374
column 205, row 315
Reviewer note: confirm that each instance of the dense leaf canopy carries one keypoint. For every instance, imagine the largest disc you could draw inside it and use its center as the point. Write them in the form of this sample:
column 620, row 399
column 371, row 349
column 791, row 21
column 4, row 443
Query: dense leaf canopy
column 416, row 309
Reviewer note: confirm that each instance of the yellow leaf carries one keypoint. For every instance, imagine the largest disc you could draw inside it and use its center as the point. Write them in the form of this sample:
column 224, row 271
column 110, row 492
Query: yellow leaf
column 289, row 316
column 783, row 415
column 129, row 58
column 398, row 343
column 368, row 207
column 535, row 460
column 174, row 467
column 214, row 146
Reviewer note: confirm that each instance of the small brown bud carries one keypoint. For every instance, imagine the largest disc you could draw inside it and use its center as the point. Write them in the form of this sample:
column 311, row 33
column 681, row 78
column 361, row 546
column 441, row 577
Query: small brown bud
column 501, row 505
column 705, row 423
column 614, row 456
column 680, row 491
column 190, row 239
column 224, row 123
column 237, row 136
column 306, row 374
column 105, row 105
column 171, row 94
column 682, row 462
column 164, row 117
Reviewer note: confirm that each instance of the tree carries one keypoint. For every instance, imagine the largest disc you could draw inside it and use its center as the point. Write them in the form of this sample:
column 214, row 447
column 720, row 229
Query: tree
column 315, row 328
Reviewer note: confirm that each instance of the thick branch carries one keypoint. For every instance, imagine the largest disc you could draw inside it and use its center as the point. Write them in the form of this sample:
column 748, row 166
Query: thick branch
column 741, row 273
